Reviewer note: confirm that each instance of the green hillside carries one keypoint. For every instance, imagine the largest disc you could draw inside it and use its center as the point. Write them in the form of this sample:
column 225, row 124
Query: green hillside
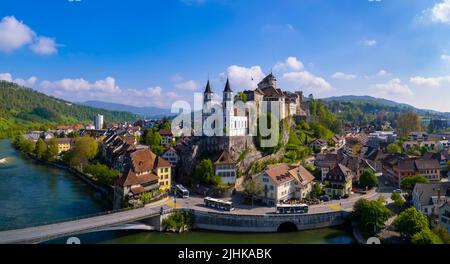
column 22, row 109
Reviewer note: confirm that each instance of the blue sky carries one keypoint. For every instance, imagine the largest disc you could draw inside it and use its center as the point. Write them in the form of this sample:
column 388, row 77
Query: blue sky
column 156, row 52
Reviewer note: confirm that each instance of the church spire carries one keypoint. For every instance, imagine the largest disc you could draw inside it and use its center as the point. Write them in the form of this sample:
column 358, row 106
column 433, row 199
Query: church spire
column 208, row 88
column 227, row 86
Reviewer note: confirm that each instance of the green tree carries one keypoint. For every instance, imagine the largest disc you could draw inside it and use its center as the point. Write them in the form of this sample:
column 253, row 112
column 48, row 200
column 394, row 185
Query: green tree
column 27, row 146
column 371, row 214
column 316, row 190
column 394, row 148
column 410, row 222
column 442, row 233
column 252, row 189
column 425, row 236
column 241, row 97
column 40, row 149
column 205, row 173
column 102, row 173
column 368, row 179
column 398, row 200
column 84, row 149
column 52, row 149
column 408, row 183
column 407, row 123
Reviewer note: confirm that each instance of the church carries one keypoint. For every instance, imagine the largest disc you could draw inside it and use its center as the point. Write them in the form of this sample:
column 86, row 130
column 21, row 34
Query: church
column 232, row 131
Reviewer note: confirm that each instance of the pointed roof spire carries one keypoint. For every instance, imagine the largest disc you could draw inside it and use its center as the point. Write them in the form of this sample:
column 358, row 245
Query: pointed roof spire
column 208, row 88
column 227, row 86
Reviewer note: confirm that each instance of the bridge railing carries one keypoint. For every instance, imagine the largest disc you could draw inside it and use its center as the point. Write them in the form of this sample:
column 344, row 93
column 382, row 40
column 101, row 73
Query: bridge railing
column 57, row 221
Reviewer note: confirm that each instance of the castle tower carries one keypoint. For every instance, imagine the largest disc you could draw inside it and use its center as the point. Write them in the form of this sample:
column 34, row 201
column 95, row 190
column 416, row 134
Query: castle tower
column 268, row 81
column 228, row 105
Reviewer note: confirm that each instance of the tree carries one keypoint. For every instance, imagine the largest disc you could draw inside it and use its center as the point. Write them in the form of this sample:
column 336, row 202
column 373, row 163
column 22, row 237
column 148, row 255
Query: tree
column 102, row 173
column 368, row 179
column 408, row 183
column 252, row 189
column 394, row 148
column 410, row 222
column 40, row 149
column 27, row 146
column 426, row 236
column 52, row 150
column 442, row 233
column 398, row 200
column 371, row 214
column 241, row 97
column 316, row 190
column 85, row 149
column 205, row 173
column 407, row 123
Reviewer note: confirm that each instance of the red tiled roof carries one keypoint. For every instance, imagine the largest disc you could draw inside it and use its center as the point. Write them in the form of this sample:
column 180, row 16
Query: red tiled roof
column 279, row 173
column 166, row 132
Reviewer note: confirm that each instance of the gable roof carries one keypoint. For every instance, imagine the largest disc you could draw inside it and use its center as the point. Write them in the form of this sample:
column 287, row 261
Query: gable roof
column 224, row 158
column 279, row 173
column 302, row 175
column 142, row 160
column 339, row 173
column 425, row 191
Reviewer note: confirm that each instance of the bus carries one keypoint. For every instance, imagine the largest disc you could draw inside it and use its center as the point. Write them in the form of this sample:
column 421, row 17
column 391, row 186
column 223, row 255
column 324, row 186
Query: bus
column 292, row 208
column 218, row 204
column 181, row 191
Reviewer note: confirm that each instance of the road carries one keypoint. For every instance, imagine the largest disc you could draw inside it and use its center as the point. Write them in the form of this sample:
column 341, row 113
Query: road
column 196, row 202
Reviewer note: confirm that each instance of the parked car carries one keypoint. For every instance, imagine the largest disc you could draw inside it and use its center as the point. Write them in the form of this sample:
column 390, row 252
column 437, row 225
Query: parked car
column 397, row 191
column 325, row 198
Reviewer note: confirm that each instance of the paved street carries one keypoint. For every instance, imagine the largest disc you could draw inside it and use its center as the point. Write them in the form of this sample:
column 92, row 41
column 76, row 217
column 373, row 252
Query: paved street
column 196, row 202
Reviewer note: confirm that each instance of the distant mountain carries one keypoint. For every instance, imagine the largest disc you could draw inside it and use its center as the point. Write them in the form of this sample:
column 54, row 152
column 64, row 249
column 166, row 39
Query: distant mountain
column 23, row 108
column 146, row 112
column 384, row 102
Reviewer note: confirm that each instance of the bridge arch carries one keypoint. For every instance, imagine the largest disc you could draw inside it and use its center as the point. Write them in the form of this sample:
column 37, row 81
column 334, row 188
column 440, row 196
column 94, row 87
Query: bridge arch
column 287, row 227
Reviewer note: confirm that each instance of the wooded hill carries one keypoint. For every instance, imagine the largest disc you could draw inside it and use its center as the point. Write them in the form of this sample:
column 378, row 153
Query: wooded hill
column 22, row 109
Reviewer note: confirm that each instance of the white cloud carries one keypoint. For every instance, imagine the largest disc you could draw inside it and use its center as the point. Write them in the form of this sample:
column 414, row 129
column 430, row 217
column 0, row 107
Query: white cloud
column 44, row 46
column 107, row 85
column 369, row 42
column 445, row 57
column 430, row 81
column 6, row 77
column 291, row 63
column 305, row 79
column 394, row 87
column 189, row 85
column 440, row 12
column 80, row 90
column 343, row 76
column 30, row 82
column 243, row 78
column 14, row 34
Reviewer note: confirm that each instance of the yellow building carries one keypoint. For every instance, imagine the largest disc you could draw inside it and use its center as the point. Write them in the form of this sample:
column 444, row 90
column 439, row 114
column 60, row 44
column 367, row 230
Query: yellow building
column 64, row 144
column 163, row 170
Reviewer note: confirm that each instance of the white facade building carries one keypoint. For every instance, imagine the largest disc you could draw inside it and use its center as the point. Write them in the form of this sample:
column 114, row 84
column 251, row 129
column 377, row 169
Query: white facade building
column 98, row 122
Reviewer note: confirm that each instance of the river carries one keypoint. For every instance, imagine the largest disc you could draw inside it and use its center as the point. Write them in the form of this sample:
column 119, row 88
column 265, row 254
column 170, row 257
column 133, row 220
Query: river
column 32, row 193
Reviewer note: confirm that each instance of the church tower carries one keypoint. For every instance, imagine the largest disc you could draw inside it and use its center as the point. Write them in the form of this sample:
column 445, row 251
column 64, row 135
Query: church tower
column 228, row 106
column 207, row 101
